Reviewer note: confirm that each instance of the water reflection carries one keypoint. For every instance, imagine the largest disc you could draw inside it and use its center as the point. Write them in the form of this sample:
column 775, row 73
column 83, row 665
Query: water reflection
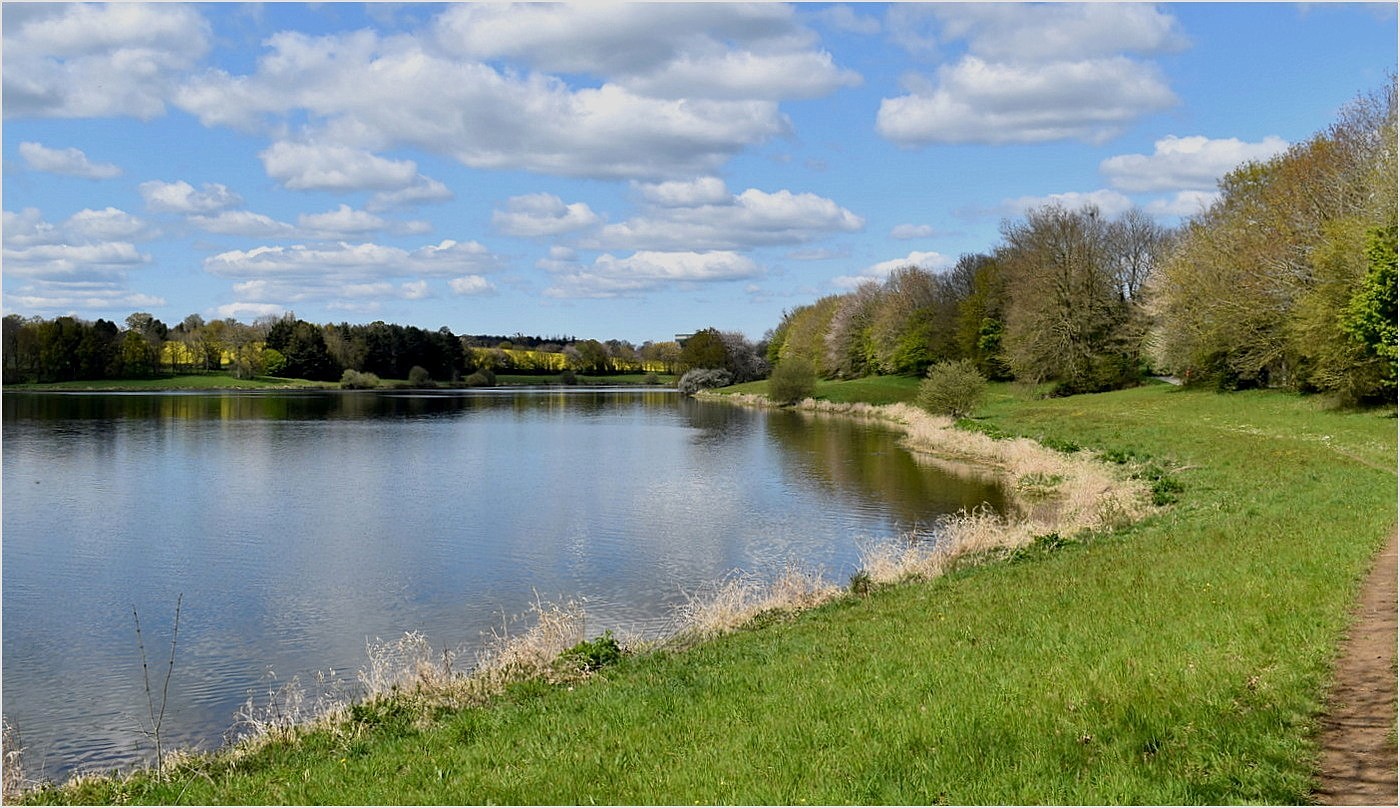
column 299, row 525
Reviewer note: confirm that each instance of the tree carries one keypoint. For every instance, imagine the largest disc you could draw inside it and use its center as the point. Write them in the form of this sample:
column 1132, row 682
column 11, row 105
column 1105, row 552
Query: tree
column 792, row 381
column 954, row 389
column 1066, row 315
column 704, row 349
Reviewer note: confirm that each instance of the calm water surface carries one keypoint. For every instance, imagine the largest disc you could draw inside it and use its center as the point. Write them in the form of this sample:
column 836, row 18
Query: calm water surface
column 299, row 526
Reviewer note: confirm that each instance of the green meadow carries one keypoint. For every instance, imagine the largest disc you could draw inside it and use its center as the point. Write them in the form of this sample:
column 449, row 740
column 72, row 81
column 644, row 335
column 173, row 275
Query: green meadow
column 1180, row 660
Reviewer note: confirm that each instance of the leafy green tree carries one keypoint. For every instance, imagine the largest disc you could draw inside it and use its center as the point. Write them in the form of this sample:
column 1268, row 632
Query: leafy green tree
column 704, row 349
column 792, row 381
column 953, row 388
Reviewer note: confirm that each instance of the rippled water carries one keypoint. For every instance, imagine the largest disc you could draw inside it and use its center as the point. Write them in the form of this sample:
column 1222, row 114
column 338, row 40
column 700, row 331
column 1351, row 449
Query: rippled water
column 298, row 526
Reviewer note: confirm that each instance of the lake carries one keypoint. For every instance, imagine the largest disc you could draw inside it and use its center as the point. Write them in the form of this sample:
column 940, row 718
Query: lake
column 297, row 526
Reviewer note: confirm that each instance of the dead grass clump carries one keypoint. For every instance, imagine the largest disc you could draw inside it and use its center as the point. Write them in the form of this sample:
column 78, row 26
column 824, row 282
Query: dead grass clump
column 739, row 598
column 13, row 782
column 533, row 653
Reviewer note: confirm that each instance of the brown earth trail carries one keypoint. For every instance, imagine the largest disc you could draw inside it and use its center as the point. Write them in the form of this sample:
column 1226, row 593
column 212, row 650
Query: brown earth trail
column 1358, row 733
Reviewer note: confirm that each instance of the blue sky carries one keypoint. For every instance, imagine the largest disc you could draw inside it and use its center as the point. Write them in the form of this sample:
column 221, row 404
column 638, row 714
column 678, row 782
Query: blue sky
column 612, row 171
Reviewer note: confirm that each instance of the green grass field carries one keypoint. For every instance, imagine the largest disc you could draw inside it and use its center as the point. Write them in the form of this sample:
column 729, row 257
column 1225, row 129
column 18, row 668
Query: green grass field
column 1179, row 660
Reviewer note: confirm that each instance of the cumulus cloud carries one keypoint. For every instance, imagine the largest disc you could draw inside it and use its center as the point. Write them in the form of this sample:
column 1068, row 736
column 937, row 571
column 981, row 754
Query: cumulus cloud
column 931, row 261
column 181, row 197
column 908, row 231
column 756, row 51
column 1182, row 204
column 330, row 167
column 1033, row 73
column 1054, row 31
column 424, row 190
column 1186, row 163
column 703, row 216
column 90, row 60
column 72, row 162
column 609, row 276
column 535, row 215
column 346, row 275
column 1110, row 203
column 977, row 101
column 82, row 262
column 678, row 90
column 243, row 223
column 470, row 285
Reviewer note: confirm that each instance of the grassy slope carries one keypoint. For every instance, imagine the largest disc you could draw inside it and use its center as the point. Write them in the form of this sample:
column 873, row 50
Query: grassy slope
column 1178, row 661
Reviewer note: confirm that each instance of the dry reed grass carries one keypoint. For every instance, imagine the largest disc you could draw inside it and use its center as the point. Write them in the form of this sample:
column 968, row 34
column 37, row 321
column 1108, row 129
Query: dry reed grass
column 12, row 778
column 739, row 598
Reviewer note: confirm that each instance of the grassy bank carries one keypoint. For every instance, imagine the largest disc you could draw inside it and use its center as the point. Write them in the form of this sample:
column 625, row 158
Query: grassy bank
column 1178, row 660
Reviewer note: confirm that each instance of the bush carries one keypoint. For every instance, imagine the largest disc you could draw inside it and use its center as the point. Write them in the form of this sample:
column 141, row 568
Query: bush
column 590, row 655
column 703, row 379
column 651, row 378
column 953, row 388
column 355, row 380
column 568, row 377
column 481, row 378
column 793, row 379
column 418, row 377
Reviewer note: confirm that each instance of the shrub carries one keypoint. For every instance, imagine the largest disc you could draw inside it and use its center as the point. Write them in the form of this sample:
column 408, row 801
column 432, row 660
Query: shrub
column 590, row 655
column 651, row 378
column 703, row 379
column 568, row 377
column 953, row 388
column 418, row 377
column 794, row 379
column 355, row 380
column 481, row 378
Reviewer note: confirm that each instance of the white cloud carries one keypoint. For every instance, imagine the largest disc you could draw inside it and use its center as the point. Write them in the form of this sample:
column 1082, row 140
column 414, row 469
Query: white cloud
column 1186, row 163
column 1058, row 31
column 1030, row 73
column 931, row 261
column 345, row 276
column 249, row 310
column 91, row 60
column 644, row 271
column 243, row 223
column 753, row 218
column 976, row 101
column 844, row 18
column 1182, row 204
column 470, row 285
column 1110, row 203
column 685, row 193
column 908, row 231
column 181, row 197
column 424, row 190
column 534, row 215
column 108, row 224
column 698, row 51
column 330, row 167
column 343, row 222
column 366, row 92
column 72, row 162
column 82, row 263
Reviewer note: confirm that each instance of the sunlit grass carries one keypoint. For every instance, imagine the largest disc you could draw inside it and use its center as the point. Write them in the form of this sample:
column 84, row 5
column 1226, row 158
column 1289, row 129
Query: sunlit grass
column 1178, row 660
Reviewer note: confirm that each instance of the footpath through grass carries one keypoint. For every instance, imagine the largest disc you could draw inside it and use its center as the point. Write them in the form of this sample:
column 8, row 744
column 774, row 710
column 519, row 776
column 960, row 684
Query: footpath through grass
column 1180, row 660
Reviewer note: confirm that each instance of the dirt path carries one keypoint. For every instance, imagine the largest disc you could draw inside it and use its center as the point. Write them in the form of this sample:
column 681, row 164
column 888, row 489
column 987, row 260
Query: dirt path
column 1358, row 734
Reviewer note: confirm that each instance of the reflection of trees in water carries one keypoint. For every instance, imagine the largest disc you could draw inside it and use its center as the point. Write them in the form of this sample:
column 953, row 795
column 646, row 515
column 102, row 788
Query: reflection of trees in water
column 852, row 458
column 318, row 405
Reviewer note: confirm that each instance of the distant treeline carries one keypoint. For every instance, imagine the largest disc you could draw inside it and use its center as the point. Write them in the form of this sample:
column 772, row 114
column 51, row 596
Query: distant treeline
column 1287, row 280
column 70, row 349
